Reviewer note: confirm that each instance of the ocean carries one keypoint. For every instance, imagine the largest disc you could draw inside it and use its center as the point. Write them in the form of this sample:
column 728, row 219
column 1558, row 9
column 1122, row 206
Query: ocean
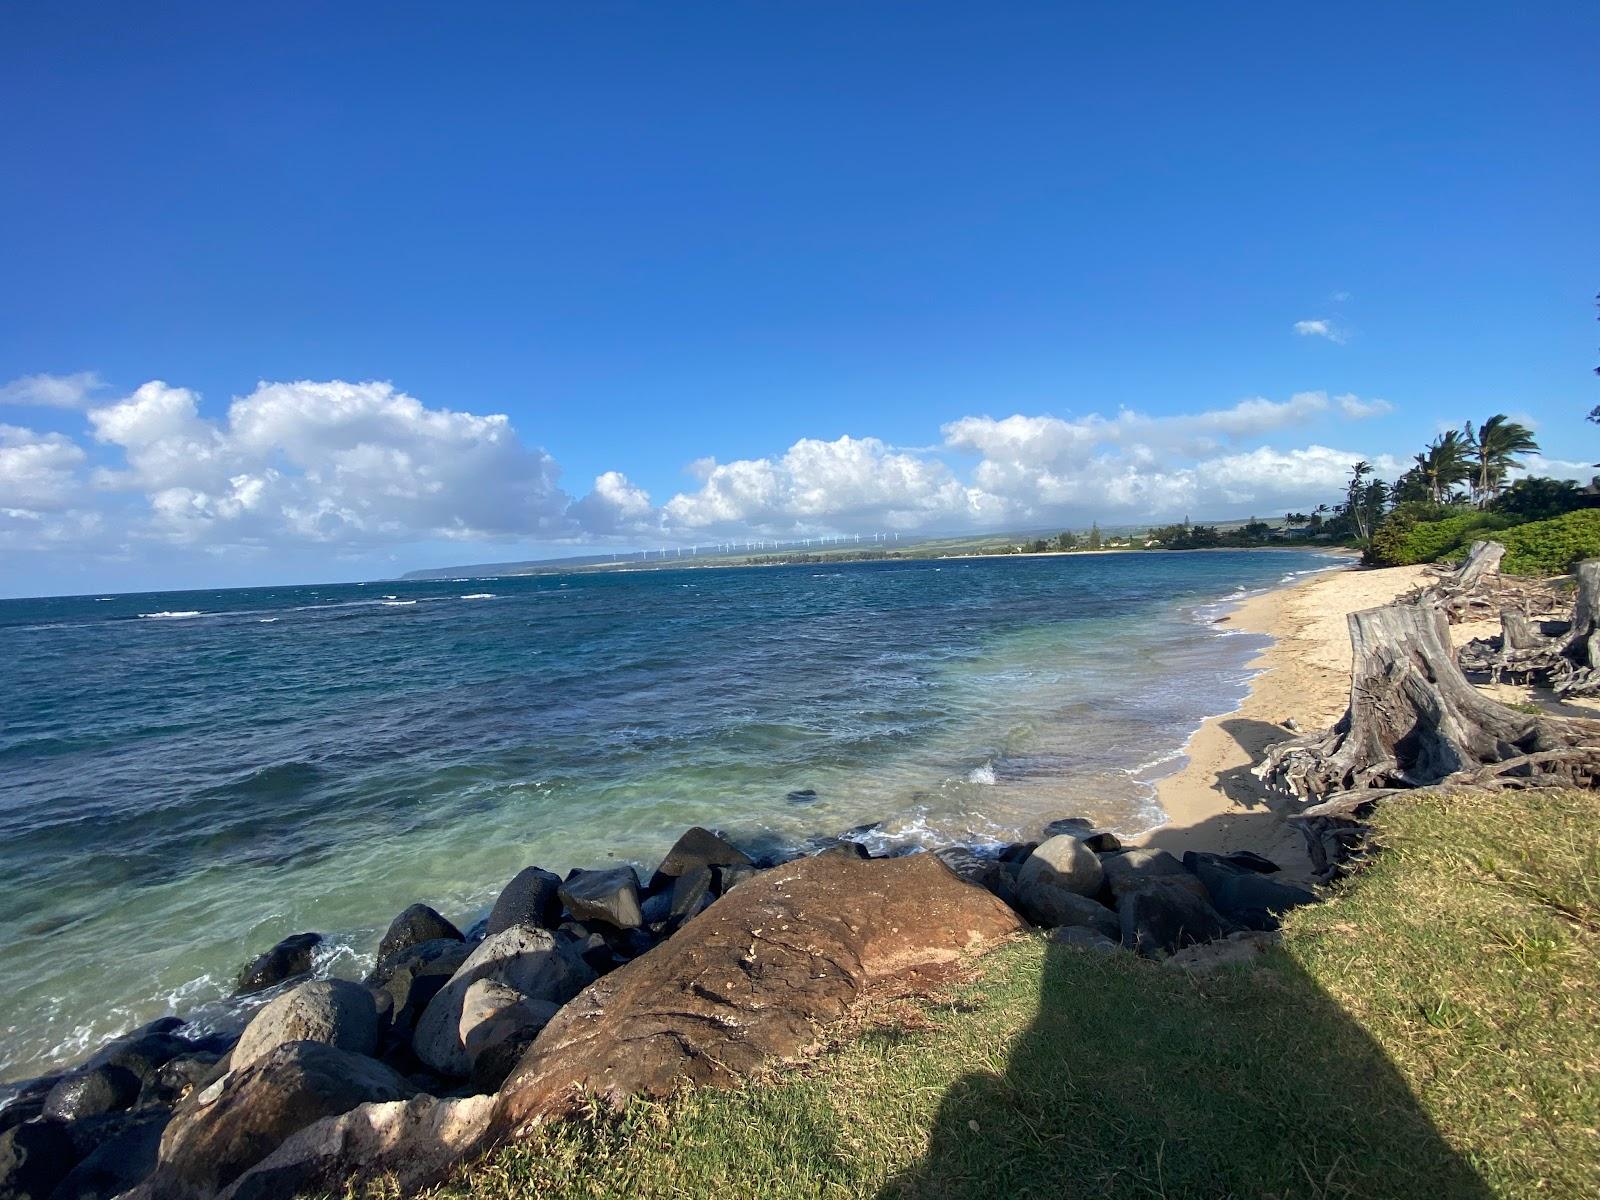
column 187, row 777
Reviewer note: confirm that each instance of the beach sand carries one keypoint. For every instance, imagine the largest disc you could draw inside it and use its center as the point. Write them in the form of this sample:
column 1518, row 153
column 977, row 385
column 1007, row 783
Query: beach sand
column 1213, row 802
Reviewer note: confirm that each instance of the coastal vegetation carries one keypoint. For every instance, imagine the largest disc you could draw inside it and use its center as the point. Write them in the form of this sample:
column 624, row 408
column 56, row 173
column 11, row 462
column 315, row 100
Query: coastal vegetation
column 1433, row 1030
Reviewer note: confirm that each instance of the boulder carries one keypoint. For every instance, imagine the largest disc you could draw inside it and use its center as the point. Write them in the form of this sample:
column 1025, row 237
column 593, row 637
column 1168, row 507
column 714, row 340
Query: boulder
column 1017, row 852
column 335, row 1012
column 413, row 1143
column 529, row 899
column 144, row 1051
column 731, row 877
column 1244, row 860
column 413, row 978
column 92, row 1093
column 692, row 893
column 972, row 867
column 181, row 1075
column 119, row 1162
column 525, row 959
column 610, row 897
column 1161, row 915
column 288, row 958
column 753, row 979
column 1241, row 949
column 24, row 1100
column 497, row 1026
column 34, row 1157
column 1128, row 869
column 699, row 848
column 1247, row 897
column 1099, row 840
column 1063, row 863
column 1052, row 907
column 220, row 1132
column 416, row 925
column 1081, row 937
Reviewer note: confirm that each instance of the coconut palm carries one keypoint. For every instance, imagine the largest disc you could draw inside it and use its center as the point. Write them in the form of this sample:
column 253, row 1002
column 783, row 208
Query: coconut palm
column 1447, row 463
column 1494, row 447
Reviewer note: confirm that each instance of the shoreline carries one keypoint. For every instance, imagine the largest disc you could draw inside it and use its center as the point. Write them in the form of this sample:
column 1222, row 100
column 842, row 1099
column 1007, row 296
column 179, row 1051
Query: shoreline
column 1213, row 802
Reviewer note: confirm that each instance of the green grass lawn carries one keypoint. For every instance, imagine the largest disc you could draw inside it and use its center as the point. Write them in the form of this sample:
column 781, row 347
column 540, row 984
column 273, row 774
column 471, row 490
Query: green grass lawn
column 1432, row 1031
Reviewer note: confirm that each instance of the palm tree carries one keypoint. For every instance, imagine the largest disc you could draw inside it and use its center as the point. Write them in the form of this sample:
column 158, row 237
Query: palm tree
column 1494, row 448
column 1353, row 496
column 1447, row 463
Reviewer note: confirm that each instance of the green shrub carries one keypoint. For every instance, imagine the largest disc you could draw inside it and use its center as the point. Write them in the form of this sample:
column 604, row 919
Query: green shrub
column 1550, row 547
column 1412, row 534
column 1538, row 499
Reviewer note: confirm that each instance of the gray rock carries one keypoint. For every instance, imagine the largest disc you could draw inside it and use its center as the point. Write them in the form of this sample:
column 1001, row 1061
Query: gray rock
column 222, row 1131
column 34, row 1158
column 1081, row 937
column 91, row 1093
column 290, row 957
column 529, row 899
column 416, row 925
column 526, row 960
column 1052, row 907
column 334, row 1012
column 497, row 1023
column 610, row 897
column 1061, row 862
column 180, row 1076
column 731, row 877
column 1244, row 860
column 972, row 867
column 1162, row 915
column 1128, row 869
column 691, row 894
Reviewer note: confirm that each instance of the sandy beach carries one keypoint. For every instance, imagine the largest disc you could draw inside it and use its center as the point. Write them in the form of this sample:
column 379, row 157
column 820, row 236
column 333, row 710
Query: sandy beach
column 1213, row 802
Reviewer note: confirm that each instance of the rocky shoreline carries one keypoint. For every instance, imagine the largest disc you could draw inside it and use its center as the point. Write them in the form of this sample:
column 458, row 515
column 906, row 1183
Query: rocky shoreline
column 600, row 984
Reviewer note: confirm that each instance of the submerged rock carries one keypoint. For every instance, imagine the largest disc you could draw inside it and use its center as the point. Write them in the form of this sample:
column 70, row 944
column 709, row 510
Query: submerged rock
column 290, row 957
column 529, row 899
column 753, row 979
column 334, row 1012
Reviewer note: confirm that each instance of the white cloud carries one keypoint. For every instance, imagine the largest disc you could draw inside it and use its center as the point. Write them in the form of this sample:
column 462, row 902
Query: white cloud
column 615, row 505
column 1320, row 327
column 1357, row 408
column 51, row 391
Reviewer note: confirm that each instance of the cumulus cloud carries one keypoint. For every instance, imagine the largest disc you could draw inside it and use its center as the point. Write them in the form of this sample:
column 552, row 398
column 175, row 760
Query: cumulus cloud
column 51, row 391
column 338, row 468
column 1320, row 327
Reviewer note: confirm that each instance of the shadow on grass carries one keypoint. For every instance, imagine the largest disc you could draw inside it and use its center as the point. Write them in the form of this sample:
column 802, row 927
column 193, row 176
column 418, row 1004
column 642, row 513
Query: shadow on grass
column 1139, row 1079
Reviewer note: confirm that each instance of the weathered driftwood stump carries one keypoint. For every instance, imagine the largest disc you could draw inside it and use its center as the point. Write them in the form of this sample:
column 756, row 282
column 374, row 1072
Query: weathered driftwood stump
column 1415, row 720
column 1567, row 661
column 1470, row 586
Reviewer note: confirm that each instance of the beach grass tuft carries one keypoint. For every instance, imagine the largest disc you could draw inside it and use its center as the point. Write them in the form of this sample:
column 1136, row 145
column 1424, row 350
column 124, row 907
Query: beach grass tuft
column 1431, row 1031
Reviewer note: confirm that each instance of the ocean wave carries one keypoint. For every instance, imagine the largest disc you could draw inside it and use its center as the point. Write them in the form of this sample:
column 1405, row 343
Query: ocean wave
column 172, row 616
column 266, row 620
column 983, row 776
column 479, row 596
column 396, row 603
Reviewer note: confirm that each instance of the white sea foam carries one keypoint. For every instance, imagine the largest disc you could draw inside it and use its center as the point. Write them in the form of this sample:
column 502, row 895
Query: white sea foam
column 266, row 620
column 397, row 603
column 172, row 616
column 479, row 596
column 983, row 775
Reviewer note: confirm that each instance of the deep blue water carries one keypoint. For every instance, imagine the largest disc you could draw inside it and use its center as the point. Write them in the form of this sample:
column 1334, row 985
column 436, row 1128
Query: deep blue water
column 190, row 776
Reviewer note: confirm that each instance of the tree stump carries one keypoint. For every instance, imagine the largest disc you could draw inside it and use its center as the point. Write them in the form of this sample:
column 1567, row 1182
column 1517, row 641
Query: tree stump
column 1415, row 720
column 1568, row 663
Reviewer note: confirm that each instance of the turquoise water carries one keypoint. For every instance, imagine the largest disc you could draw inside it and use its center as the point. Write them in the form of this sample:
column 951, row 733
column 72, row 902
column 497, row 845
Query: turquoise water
column 190, row 776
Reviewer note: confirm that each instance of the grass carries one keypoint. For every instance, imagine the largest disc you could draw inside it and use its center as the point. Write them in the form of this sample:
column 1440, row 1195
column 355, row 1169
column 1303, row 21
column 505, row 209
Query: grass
column 1432, row 1031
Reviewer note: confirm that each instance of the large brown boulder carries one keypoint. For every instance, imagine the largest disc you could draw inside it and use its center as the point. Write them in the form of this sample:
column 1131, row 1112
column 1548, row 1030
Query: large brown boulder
column 752, row 979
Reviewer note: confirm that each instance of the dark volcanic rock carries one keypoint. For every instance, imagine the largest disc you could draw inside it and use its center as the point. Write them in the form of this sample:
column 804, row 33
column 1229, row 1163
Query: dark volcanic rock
column 92, row 1092
column 218, row 1133
column 1081, row 937
column 529, row 899
column 1129, row 869
column 610, row 897
column 26, row 1100
column 1161, row 915
column 1246, row 897
column 416, row 925
column 752, row 979
column 288, row 958
column 1062, row 863
column 119, row 1162
column 333, row 1011
column 973, row 867
column 34, row 1158
column 414, row 979
column 700, row 848
column 731, row 877
column 1244, row 860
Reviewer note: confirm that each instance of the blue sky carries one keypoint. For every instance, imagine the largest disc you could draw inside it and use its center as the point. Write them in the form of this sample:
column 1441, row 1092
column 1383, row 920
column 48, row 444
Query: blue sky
column 684, row 250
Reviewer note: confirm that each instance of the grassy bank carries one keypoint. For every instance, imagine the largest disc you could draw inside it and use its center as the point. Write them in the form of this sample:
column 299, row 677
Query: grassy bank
column 1432, row 1031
